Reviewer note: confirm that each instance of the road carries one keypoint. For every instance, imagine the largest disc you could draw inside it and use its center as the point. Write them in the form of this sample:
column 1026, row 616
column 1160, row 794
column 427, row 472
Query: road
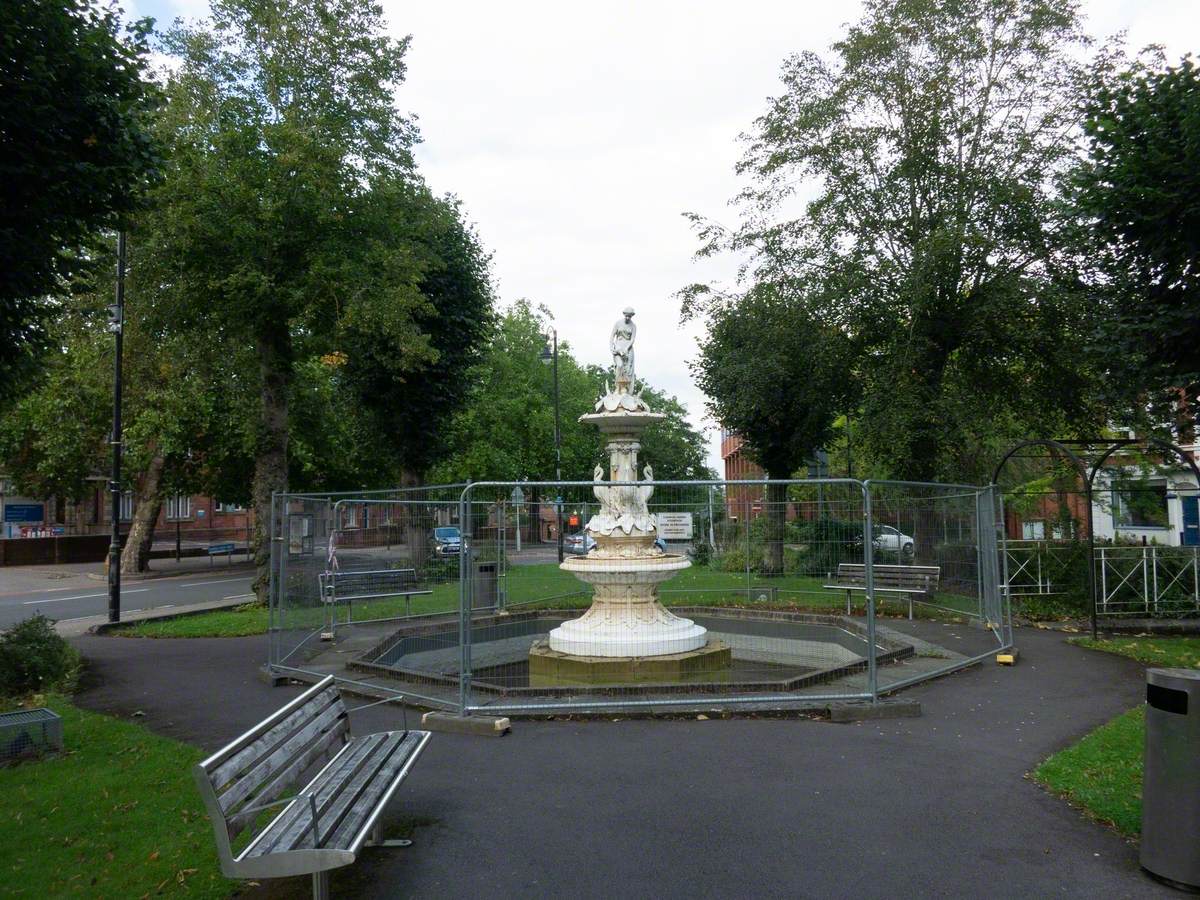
column 77, row 592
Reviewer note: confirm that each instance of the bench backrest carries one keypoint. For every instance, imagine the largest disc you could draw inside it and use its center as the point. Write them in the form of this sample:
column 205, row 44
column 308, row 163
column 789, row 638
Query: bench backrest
column 923, row 578
column 353, row 585
column 268, row 761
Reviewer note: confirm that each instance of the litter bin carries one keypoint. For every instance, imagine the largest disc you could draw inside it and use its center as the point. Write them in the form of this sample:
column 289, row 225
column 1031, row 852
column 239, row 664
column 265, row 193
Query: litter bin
column 484, row 590
column 1171, row 781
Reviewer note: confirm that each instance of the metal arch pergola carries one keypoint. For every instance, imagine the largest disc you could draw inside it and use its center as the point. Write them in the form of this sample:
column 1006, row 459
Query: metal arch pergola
column 1088, row 477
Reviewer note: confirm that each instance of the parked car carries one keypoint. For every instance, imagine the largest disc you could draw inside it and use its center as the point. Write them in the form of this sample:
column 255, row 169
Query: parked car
column 891, row 540
column 447, row 541
column 582, row 542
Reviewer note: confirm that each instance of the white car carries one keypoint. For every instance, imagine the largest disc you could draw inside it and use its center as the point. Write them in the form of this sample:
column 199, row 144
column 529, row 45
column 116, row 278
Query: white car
column 891, row 540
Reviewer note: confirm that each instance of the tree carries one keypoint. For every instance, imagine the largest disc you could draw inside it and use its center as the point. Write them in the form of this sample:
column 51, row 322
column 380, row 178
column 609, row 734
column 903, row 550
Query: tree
column 77, row 151
column 1138, row 191
column 779, row 377
column 921, row 155
column 185, row 411
column 458, row 320
column 287, row 217
column 505, row 431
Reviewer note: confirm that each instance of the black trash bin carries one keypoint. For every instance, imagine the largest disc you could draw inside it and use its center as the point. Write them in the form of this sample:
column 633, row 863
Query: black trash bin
column 484, row 590
column 1171, row 780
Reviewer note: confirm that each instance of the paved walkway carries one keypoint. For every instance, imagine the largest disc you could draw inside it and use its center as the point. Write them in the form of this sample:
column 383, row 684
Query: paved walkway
column 936, row 806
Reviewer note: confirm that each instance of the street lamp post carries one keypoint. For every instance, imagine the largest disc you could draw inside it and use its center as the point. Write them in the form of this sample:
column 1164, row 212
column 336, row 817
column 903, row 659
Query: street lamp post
column 116, row 325
column 550, row 357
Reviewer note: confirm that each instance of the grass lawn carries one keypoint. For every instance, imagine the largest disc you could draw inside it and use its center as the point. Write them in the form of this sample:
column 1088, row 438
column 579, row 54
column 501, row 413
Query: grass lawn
column 236, row 622
column 116, row 815
column 546, row 585
column 1103, row 772
column 1163, row 652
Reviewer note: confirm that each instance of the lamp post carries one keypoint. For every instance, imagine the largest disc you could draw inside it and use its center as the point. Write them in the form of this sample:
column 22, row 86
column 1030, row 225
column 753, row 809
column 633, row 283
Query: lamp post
column 116, row 324
column 550, row 357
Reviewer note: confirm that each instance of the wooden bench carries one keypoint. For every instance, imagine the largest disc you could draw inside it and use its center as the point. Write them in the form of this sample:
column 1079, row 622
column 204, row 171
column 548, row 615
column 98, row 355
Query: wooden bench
column 337, row 586
column 889, row 579
column 325, row 821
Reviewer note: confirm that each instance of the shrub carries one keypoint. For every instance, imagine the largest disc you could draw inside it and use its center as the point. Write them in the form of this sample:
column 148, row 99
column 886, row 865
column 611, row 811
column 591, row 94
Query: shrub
column 34, row 658
column 733, row 560
column 828, row 542
column 701, row 553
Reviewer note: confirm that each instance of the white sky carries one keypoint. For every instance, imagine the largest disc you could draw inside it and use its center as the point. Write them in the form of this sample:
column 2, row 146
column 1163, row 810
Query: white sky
column 577, row 134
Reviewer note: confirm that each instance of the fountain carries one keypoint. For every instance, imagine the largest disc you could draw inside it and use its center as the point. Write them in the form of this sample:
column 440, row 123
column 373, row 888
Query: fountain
column 626, row 634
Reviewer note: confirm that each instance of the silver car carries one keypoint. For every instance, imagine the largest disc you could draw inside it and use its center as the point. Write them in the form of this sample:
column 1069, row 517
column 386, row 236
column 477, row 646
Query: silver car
column 891, row 540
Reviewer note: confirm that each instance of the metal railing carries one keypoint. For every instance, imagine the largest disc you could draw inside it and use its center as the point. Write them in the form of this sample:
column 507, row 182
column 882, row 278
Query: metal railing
column 1149, row 581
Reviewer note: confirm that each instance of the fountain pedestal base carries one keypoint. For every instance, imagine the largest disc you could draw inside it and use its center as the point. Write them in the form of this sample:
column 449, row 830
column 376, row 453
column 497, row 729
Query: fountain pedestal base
column 549, row 668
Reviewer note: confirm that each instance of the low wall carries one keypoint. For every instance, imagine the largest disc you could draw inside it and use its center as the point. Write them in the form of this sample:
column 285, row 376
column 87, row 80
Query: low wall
column 71, row 548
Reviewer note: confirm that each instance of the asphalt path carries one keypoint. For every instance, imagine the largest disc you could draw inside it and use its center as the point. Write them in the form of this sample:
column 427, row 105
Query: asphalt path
column 65, row 592
column 938, row 806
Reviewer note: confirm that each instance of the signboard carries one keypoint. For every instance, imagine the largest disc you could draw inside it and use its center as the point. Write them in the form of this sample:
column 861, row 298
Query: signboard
column 215, row 549
column 24, row 512
column 675, row 526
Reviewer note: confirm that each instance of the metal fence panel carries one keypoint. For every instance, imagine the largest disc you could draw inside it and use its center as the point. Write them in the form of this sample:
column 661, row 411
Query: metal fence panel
column 760, row 593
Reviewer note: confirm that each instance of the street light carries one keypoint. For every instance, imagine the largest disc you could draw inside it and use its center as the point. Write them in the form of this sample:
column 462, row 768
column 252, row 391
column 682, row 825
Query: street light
column 116, row 324
column 550, row 357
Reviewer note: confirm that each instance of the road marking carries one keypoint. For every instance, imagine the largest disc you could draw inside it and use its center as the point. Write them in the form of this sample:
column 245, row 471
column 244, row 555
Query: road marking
column 218, row 581
column 80, row 597
column 238, row 597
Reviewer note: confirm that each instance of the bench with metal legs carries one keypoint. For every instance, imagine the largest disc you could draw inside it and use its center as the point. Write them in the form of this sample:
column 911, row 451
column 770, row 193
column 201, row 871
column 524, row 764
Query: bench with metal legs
column 322, row 822
column 888, row 579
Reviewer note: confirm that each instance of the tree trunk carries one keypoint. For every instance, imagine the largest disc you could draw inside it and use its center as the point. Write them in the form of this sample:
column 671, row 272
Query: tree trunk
column 776, row 530
column 270, row 463
column 136, row 555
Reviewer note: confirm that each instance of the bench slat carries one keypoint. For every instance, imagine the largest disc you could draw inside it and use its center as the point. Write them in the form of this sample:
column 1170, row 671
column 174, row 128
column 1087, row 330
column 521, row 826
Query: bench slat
column 287, row 830
column 376, row 789
column 259, row 746
column 286, row 777
column 352, row 789
column 345, row 798
column 310, row 730
column 915, row 578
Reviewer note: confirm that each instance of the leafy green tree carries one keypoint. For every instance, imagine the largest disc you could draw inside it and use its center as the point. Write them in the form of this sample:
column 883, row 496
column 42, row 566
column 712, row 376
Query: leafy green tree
column 1138, row 191
column 779, row 377
column 505, row 432
column 904, row 185
column 287, row 225
column 185, row 411
column 458, row 320
column 77, row 149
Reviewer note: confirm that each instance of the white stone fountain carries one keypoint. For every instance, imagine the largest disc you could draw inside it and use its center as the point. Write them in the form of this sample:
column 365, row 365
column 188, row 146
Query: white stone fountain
column 626, row 619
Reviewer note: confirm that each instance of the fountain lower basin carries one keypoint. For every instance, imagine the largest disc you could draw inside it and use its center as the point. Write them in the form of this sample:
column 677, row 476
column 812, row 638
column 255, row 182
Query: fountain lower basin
column 626, row 618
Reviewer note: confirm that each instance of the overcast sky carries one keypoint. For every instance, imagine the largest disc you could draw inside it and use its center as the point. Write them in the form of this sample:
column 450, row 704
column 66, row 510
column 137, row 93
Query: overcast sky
column 576, row 135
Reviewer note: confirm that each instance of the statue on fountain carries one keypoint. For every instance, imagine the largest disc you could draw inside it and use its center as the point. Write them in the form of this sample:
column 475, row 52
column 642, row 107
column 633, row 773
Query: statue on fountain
column 620, row 344
column 623, row 395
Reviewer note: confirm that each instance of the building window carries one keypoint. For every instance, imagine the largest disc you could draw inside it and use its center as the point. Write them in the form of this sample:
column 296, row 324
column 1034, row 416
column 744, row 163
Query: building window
column 1033, row 531
column 230, row 507
column 1140, row 504
column 179, row 507
column 126, row 506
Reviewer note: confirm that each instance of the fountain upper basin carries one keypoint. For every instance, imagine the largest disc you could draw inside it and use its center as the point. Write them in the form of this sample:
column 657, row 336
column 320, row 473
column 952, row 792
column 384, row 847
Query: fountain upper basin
column 642, row 570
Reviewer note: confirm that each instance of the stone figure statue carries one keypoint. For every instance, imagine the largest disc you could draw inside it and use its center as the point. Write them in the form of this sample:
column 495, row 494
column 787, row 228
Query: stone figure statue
column 620, row 343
